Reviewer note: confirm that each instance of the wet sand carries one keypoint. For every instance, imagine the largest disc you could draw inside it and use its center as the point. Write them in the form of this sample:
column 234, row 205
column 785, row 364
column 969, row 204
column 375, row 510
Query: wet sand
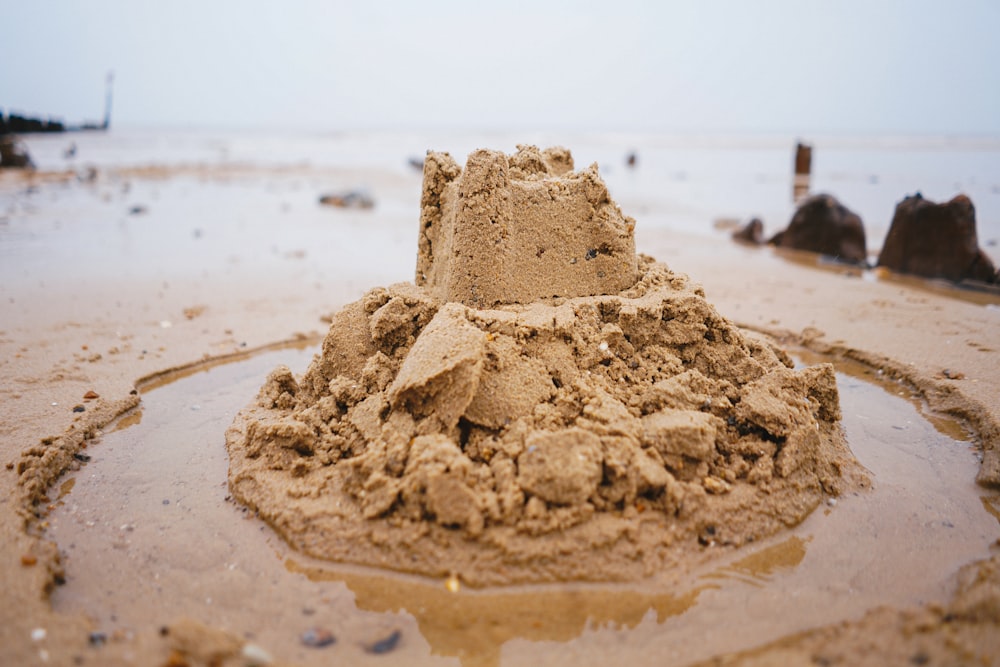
column 96, row 299
column 150, row 535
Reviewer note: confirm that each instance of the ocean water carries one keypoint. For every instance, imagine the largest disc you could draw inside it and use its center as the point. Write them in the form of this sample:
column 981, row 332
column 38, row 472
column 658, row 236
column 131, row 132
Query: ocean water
column 684, row 183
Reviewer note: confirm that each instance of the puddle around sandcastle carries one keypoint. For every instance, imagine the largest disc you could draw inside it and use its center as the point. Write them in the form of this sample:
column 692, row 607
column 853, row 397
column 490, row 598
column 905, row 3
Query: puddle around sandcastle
column 149, row 536
column 978, row 294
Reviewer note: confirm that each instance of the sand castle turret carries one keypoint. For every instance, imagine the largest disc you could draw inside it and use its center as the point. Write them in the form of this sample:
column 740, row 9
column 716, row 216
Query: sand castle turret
column 520, row 228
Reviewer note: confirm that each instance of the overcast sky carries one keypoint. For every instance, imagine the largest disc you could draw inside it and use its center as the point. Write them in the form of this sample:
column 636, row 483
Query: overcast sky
column 837, row 66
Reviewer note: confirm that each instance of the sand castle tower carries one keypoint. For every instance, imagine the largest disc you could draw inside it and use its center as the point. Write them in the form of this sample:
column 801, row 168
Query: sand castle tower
column 520, row 229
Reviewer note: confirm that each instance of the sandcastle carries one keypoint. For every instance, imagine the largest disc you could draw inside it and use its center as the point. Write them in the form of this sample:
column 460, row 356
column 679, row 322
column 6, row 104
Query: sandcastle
column 541, row 405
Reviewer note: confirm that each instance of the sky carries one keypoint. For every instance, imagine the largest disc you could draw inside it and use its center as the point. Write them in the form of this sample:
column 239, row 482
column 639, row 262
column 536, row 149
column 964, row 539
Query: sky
column 729, row 66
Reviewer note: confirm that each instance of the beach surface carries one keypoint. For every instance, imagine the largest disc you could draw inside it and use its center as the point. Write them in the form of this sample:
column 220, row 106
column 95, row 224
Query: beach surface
column 152, row 252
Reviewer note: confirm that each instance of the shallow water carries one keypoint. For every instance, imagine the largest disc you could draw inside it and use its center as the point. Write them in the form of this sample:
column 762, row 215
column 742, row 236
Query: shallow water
column 238, row 213
column 149, row 535
column 682, row 182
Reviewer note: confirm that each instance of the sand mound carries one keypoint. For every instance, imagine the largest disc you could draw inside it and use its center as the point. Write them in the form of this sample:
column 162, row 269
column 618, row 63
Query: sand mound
column 595, row 436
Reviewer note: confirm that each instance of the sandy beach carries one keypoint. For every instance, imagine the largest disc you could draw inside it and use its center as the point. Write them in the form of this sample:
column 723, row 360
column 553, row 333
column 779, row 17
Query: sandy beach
column 148, row 255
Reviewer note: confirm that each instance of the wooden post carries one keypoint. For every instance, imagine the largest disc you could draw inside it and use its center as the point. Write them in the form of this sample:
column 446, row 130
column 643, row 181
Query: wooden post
column 803, row 171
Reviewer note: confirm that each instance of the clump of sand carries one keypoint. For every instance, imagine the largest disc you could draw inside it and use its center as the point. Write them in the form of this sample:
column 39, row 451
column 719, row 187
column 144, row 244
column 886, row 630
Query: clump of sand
column 597, row 428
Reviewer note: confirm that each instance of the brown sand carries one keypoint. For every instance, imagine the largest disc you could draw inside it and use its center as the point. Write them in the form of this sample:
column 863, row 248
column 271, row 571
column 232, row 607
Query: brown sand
column 53, row 350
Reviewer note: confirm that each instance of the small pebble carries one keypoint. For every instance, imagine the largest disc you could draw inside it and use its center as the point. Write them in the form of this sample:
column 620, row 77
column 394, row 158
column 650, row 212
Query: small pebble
column 91, row 395
column 255, row 656
column 38, row 634
column 78, row 408
column 28, row 560
column 452, row 584
column 385, row 645
column 97, row 639
column 317, row 638
column 715, row 485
